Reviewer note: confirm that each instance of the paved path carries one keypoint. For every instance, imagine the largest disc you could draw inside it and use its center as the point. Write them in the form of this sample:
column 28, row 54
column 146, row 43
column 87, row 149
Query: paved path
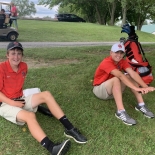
column 3, row 45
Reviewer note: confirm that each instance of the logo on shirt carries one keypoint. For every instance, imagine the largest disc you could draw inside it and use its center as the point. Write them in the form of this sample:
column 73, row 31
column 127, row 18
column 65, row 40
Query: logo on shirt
column 24, row 74
column 119, row 67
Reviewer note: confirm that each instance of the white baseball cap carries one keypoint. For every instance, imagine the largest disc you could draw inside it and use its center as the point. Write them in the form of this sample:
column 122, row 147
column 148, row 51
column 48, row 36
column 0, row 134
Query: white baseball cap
column 118, row 47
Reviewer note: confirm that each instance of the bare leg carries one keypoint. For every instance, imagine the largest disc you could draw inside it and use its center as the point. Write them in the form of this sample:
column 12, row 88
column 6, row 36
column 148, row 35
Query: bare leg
column 115, row 87
column 33, row 125
column 46, row 97
column 137, row 94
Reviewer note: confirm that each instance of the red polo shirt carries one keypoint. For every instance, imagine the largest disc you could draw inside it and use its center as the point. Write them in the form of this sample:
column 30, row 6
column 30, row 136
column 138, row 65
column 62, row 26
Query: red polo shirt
column 14, row 11
column 11, row 83
column 106, row 66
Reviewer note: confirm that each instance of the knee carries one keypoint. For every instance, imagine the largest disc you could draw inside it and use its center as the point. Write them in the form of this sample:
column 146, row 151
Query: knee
column 46, row 95
column 116, row 79
column 31, row 116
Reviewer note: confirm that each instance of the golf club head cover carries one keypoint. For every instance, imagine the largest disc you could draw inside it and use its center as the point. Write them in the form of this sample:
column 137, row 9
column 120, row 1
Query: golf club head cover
column 126, row 28
column 130, row 30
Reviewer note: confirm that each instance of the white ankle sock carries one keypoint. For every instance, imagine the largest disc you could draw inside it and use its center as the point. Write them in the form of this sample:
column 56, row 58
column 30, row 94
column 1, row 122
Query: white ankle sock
column 119, row 111
column 141, row 104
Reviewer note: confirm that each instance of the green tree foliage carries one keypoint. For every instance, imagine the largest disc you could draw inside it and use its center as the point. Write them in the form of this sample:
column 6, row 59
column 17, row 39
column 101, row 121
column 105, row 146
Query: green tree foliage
column 66, row 9
column 108, row 11
column 25, row 8
column 142, row 10
column 100, row 11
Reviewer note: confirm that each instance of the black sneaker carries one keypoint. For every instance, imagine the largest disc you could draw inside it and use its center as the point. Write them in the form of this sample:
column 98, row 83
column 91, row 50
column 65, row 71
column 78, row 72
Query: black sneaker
column 76, row 135
column 145, row 111
column 125, row 118
column 61, row 149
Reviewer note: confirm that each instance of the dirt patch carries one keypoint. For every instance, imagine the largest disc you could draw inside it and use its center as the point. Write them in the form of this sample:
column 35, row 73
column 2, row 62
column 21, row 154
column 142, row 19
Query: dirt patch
column 41, row 63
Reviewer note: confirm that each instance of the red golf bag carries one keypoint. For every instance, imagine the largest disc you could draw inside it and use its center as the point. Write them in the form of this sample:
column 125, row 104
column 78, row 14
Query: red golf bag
column 136, row 58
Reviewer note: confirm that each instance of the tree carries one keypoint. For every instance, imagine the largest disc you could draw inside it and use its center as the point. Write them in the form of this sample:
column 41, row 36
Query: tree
column 94, row 10
column 142, row 10
column 126, row 5
column 25, row 8
column 65, row 9
column 86, row 13
column 108, row 11
column 102, row 12
column 114, row 7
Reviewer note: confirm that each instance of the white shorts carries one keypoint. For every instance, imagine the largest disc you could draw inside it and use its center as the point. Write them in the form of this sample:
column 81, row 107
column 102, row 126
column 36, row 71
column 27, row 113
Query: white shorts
column 10, row 112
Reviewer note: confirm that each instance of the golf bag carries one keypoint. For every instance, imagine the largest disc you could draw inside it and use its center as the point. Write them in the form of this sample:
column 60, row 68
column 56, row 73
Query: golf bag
column 135, row 55
column 44, row 110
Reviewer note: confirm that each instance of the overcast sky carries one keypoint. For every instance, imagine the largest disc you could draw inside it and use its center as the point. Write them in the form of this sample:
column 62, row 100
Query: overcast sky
column 41, row 10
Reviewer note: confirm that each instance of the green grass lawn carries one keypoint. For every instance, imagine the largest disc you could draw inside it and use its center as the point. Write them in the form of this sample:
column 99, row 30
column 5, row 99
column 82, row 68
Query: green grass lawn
column 71, row 85
column 35, row 30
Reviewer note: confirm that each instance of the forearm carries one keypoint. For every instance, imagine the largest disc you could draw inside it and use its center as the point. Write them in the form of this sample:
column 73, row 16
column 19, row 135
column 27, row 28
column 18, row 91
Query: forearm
column 130, row 83
column 5, row 99
column 127, row 82
column 139, row 80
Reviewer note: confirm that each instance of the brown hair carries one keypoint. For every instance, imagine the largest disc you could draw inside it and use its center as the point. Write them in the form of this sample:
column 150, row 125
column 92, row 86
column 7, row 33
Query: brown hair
column 14, row 49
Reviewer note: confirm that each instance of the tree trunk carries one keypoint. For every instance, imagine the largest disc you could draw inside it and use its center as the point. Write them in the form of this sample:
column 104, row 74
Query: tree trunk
column 99, row 16
column 139, row 27
column 124, row 11
column 105, row 19
column 112, row 13
column 140, row 23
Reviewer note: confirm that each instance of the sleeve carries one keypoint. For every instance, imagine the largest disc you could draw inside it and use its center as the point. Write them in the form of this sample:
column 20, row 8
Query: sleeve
column 25, row 67
column 126, row 65
column 1, row 77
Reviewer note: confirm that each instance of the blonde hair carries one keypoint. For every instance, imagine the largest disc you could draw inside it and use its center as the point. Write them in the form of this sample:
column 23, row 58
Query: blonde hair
column 12, row 3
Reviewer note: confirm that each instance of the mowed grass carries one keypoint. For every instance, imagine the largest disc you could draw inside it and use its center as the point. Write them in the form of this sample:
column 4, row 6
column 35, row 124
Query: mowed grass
column 35, row 30
column 71, row 85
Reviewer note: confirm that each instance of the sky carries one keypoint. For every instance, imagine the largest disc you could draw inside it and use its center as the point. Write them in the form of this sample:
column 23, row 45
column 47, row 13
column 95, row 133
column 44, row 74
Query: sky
column 41, row 11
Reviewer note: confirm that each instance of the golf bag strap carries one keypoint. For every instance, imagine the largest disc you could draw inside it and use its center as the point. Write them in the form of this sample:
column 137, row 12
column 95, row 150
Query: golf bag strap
column 141, row 49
